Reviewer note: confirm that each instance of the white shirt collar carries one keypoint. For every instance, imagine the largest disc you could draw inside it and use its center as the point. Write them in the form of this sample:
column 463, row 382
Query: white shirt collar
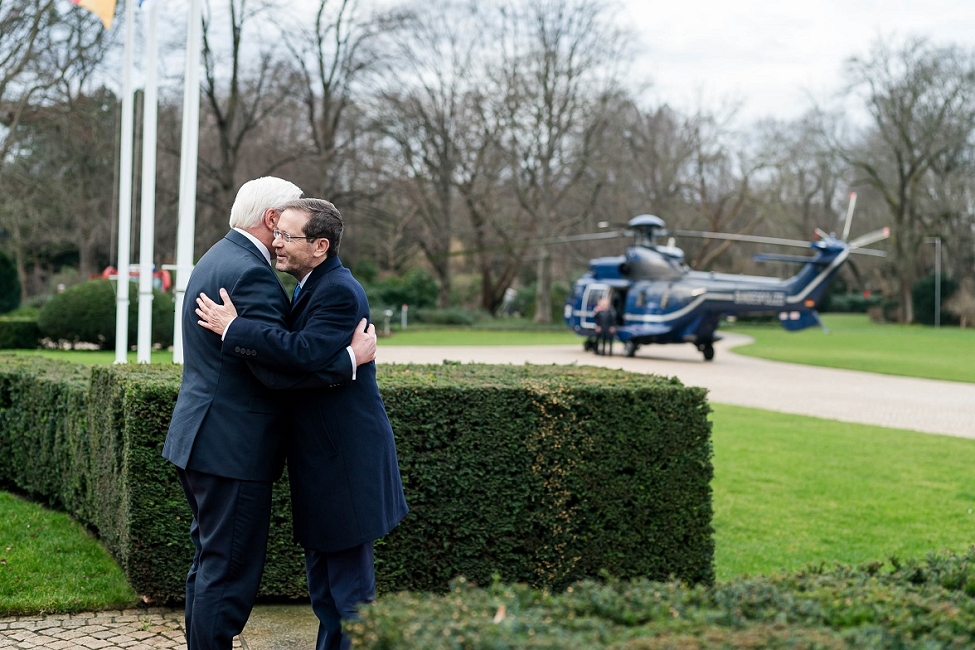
column 257, row 242
column 302, row 280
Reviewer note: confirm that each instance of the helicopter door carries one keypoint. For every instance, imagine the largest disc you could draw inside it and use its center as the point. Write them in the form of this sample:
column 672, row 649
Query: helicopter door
column 593, row 294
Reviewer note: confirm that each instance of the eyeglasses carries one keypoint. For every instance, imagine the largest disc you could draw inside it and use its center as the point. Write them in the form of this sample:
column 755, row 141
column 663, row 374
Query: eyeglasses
column 287, row 237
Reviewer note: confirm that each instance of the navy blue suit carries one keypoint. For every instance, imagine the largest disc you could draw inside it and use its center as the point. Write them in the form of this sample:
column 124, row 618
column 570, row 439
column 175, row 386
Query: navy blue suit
column 346, row 489
column 226, row 439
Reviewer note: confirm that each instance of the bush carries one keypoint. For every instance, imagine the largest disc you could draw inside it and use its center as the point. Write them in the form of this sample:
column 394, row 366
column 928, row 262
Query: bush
column 525, row 300
column 9, row 285
column 544, row 475
column 86, row 313
column 19, row 333
column 417, row 289
column 923, row 293
column 452, row 316
column 850, row 303
column 920, row 604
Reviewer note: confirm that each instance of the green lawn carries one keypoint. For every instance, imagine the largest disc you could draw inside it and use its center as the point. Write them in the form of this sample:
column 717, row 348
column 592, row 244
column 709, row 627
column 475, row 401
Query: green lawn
column 792, row 490
column 854, row 343
column 50, row 563
column 99, row 357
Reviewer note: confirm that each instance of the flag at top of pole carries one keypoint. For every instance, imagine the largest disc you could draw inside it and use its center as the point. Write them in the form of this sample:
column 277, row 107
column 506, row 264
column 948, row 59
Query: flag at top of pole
column 104, row 9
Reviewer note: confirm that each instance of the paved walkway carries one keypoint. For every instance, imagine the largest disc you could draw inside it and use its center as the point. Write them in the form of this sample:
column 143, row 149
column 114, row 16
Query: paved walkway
column 901, row 402
column 271, row 627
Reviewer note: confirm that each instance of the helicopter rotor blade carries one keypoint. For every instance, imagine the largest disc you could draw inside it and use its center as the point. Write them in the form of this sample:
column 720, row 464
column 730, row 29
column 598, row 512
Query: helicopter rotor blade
column 869, row 251
column 870, row 238
column 849, row 216
column 746, row 238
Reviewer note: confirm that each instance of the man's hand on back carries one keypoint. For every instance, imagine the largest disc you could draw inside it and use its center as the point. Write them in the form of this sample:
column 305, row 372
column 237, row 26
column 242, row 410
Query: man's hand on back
column 364, row 343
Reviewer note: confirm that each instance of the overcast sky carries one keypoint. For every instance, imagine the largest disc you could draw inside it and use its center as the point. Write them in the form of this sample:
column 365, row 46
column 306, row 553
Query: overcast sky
column 771, row 55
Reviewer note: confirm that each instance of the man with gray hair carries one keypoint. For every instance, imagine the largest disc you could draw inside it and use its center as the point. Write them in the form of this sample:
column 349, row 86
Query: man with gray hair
column 225, row 437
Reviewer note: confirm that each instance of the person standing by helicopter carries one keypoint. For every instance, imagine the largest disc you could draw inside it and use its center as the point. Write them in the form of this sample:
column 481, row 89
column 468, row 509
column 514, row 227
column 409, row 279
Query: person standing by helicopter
column 604, row 317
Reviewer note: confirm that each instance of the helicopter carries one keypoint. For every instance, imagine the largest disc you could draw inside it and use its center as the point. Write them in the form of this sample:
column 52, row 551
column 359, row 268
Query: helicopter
column 659, row 299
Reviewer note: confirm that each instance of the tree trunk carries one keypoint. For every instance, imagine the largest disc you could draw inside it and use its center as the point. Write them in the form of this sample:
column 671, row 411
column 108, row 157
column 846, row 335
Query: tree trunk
column 543, row 293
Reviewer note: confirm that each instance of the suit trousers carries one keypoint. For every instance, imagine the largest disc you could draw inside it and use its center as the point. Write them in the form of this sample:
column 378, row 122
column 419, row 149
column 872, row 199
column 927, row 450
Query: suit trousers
column 229, row 533
column 337, row 583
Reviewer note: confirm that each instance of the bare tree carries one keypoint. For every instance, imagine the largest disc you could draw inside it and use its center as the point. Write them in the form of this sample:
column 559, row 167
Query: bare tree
column 24, row 31
column 921, row 101
column 560, row 61
column 56, row 150
column 243, row 87
column 722, row 175
column 422, row 115
column 333, row 55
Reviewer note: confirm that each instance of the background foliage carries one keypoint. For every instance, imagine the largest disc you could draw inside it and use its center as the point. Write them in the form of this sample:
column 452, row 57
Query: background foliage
column 452, row 135
column 86, row 313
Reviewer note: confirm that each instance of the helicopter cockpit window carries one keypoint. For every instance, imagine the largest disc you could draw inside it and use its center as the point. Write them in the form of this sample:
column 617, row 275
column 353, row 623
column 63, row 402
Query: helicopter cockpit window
column 593, row 298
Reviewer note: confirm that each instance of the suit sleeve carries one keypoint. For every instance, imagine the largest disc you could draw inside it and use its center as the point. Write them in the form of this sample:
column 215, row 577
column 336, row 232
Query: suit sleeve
column 332, row 318
column 260, row 299
column 336, row 374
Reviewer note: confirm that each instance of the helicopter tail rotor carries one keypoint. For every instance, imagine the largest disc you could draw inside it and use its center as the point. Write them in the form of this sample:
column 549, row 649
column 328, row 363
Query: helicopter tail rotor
column 869, row 238
column 849, row 216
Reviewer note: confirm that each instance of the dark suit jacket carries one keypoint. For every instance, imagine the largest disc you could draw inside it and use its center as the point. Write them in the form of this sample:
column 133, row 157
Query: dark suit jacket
column 226, row 422
column 345, row 481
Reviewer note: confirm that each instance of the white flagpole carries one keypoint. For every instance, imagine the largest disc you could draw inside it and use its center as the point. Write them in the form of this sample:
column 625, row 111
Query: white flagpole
column 125, row 194
column 187, row 168
column 148, row 212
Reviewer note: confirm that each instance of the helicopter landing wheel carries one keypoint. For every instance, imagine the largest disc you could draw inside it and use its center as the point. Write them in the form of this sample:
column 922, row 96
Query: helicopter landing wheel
column 589, row 345
column 708, row 351
column 629, row 348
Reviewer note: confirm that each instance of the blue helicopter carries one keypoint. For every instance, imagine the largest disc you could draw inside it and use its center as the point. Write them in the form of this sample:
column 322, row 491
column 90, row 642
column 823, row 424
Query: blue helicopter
column 657, row 298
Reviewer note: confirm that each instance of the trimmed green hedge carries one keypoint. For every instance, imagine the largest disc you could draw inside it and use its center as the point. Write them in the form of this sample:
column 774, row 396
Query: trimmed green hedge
column 538, row 474
column 19, row 333
column 923, row 604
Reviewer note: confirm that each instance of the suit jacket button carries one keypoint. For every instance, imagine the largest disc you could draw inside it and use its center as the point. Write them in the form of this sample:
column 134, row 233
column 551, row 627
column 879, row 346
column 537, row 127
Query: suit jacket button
column 237, row 349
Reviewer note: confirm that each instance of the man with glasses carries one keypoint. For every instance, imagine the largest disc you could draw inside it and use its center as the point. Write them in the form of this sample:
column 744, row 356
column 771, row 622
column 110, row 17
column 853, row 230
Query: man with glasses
column 345, row 481
column 226, row 437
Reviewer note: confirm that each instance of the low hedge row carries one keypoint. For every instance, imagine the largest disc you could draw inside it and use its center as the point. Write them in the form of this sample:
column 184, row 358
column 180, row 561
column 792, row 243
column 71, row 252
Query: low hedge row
column 924, row 604
column 19, row 333
column 537, row 474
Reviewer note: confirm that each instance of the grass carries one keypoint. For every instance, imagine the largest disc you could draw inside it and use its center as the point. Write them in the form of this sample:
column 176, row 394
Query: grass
column 855, row 343
column 98, row 357
column 790, row 491
column 50, row 563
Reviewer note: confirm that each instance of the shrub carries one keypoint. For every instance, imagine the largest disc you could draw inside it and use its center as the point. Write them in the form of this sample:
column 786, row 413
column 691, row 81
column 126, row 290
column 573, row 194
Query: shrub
column 924, row 291
column 543, row 475
column 525, row 300
column 86, row 312
column 452, row 316
column 855, row 303
column 918, row 604
column 416, row 288
column 9, row 285
column 19, row 333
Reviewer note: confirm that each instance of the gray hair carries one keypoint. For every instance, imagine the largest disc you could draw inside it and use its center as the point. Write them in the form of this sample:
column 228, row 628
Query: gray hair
column 256, row 196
